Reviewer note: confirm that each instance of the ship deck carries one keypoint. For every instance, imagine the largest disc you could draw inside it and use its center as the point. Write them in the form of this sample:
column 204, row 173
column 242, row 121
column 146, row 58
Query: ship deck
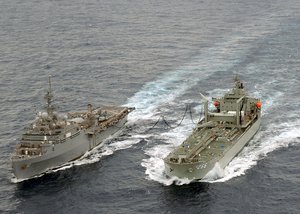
column 205, row 144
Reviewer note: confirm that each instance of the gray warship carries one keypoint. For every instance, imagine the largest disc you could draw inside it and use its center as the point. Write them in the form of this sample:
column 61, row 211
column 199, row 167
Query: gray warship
column 218, row 137
column 53, row 140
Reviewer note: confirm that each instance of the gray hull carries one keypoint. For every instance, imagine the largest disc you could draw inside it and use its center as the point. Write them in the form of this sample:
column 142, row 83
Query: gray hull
column 58, row 154
column 198, row 170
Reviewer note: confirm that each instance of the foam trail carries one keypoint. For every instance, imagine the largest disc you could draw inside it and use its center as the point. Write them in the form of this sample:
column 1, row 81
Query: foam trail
column 155, row 167
column 164, row 90
column 264, row 143
column 96, row 154
column 216, row 173
column 221, row 57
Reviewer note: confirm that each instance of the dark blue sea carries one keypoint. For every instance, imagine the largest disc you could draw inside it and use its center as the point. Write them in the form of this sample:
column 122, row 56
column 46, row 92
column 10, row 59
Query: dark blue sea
column 156, row 56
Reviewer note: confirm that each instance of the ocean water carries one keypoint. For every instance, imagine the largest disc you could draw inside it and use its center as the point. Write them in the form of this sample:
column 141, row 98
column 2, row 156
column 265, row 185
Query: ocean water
column 156, row 56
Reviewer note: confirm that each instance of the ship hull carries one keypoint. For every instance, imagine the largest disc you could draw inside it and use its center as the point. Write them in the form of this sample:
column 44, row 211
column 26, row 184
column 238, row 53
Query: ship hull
column 62, row 153
column 198, row 170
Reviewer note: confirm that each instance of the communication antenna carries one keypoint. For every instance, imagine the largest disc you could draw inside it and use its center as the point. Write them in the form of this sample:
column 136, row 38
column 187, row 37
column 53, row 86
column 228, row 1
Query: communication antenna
column 48, row 98
column 50, row 83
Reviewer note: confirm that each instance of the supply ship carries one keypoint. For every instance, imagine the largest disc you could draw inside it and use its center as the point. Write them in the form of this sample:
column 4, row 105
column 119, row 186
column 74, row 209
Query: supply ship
column 218, row 137
column 53, row 140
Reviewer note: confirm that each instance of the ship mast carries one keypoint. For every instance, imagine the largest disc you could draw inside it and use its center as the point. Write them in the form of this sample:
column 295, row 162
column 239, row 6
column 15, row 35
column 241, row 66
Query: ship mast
column 48, row 97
